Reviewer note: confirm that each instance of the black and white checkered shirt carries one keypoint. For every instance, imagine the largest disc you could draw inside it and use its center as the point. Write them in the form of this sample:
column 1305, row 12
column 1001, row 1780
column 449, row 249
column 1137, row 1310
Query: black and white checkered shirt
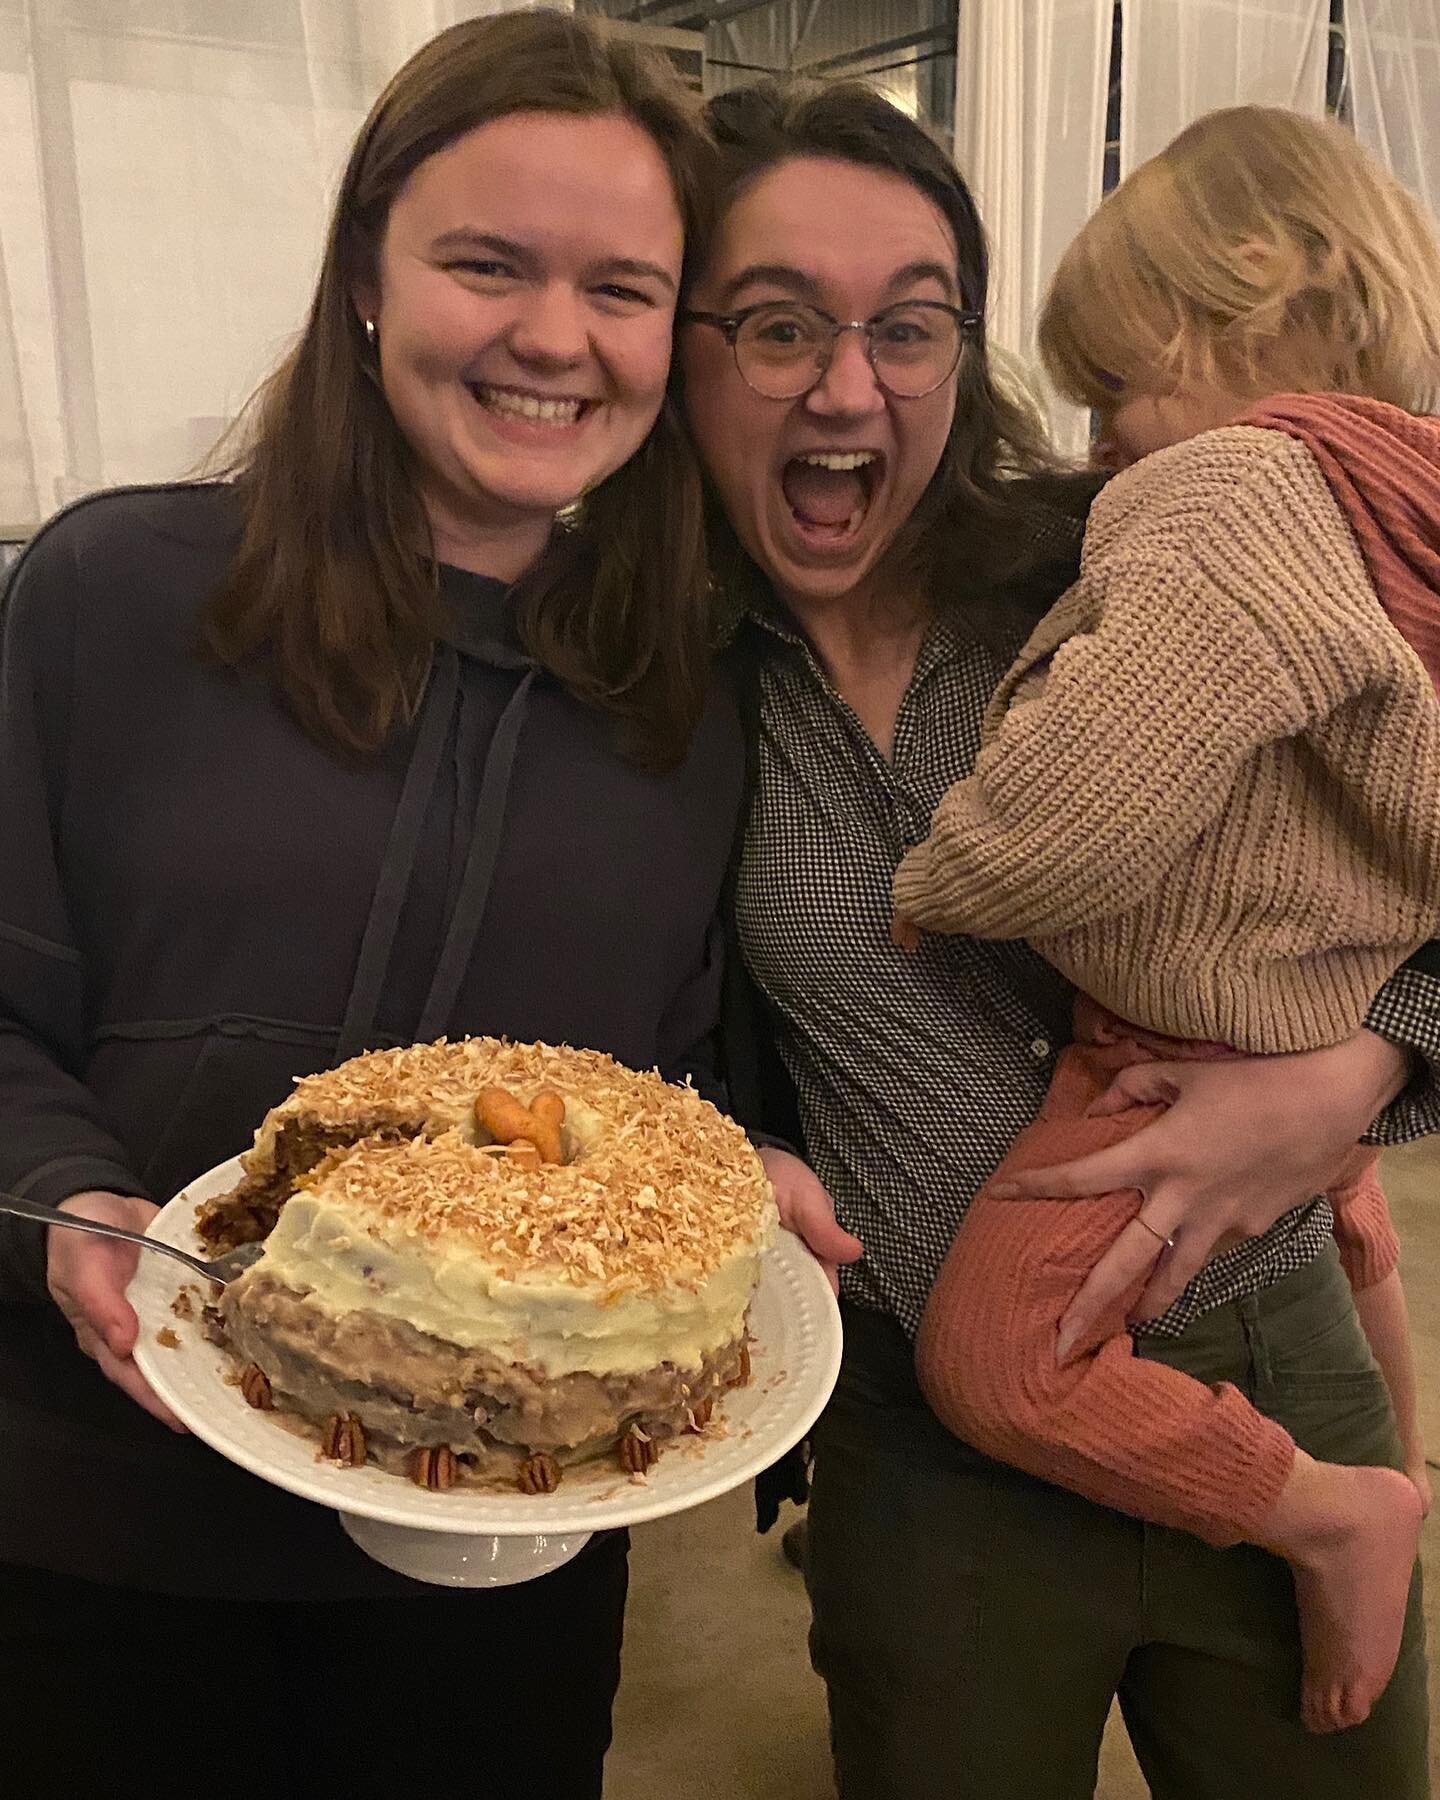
column 915, row 1073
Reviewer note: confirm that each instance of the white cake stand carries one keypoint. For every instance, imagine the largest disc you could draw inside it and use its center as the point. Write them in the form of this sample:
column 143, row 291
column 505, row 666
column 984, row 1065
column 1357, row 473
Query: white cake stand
column 476, row 1537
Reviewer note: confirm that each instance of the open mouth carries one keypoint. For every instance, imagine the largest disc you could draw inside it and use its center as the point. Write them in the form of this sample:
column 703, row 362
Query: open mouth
column 829, row 493
column 548, row 412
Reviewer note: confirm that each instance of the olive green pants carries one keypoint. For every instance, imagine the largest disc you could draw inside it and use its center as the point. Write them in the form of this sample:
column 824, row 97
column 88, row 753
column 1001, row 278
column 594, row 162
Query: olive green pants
column 973, row 1625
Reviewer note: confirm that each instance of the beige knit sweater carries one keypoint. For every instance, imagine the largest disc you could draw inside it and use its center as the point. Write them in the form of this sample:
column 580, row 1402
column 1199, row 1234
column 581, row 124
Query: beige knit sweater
column 1209, row 791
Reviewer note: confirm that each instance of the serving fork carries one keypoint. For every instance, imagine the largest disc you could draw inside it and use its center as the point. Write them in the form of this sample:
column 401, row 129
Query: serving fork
column 221, row 1268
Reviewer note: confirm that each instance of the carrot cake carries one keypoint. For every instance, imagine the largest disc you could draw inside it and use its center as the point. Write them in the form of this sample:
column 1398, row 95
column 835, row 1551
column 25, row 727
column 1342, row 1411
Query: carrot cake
column 484, row 1258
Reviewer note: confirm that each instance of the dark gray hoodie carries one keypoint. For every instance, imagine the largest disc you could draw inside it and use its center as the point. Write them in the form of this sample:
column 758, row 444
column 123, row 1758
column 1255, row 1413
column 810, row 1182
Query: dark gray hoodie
column 198, row 903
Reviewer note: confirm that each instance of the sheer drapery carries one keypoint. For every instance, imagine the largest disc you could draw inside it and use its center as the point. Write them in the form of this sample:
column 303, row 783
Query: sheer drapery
column 165, row 172
column 1188, row 57
column 1393, row 54
column 1030, row 95
column 166, row 166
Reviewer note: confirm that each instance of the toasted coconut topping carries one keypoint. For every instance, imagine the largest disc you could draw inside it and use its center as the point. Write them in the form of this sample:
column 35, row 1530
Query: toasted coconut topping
column 663, row 1189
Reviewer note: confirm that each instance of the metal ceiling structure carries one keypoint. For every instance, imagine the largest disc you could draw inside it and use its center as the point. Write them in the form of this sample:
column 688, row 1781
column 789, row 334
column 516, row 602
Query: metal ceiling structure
column 906, row 47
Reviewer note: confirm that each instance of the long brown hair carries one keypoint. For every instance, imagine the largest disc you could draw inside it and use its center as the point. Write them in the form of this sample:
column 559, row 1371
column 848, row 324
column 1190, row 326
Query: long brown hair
column 335, row 582
column 985, row 516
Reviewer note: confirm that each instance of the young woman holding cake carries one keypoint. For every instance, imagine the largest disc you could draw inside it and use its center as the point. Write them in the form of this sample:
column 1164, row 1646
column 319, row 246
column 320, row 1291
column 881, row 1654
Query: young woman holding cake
column 897, row 531
column 351, row 748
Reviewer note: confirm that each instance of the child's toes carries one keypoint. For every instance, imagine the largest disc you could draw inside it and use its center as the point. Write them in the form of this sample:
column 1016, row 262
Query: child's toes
column 1352, row 1707
column 1319, row 1709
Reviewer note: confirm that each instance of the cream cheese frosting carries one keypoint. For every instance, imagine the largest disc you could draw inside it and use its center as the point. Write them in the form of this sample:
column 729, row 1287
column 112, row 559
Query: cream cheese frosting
column 453, row 1280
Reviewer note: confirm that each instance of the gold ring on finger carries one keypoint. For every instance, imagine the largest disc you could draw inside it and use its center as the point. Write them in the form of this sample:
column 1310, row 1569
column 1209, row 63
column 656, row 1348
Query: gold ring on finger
column 1166, row 1243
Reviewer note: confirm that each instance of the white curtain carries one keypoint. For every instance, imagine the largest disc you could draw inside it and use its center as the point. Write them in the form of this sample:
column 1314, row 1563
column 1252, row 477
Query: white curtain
column 1031, row 79
column 1183, row 58
column 1393, row 53
column 165, row 172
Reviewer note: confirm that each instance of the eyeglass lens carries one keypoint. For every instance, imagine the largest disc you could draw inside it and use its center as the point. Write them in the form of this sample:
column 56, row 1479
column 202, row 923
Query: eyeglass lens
column 784, row 349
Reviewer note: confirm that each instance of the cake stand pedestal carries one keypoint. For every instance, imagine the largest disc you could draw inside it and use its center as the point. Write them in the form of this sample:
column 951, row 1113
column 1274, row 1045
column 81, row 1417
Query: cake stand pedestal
column 455, row 1559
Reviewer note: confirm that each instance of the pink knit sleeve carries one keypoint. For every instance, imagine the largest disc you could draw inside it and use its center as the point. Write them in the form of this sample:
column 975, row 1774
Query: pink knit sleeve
column 1364, row 1234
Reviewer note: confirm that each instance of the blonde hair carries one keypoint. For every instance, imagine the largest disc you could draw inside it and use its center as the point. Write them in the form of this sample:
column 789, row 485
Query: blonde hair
column 1260, row 252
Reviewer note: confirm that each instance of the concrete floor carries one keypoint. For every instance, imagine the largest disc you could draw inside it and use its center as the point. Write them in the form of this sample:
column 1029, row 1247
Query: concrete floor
column 718, row 1701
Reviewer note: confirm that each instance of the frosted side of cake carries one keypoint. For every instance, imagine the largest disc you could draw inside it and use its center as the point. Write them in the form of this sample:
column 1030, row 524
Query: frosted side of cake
column 344, row 1260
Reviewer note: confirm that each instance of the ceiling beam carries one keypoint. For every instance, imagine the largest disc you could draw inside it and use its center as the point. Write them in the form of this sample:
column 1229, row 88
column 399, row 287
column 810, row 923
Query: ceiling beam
column 694, row 13
column 848, row 59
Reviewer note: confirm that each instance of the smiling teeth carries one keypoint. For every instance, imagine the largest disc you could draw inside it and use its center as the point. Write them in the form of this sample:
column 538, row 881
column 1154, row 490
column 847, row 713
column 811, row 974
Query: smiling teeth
column 838, row 460
column 528, row 406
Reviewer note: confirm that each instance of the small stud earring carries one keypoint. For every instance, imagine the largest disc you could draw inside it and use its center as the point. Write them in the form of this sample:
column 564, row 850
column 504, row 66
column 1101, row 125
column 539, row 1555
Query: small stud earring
column 371, row 333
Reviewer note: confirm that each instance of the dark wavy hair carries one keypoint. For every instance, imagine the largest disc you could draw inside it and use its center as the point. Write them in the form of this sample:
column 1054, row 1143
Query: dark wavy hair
column 335, row 581
column 998, row 510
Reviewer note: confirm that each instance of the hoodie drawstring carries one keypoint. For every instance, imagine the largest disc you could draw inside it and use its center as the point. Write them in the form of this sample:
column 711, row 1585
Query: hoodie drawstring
column 383, row 924
column 398, row 865
column 484, row 852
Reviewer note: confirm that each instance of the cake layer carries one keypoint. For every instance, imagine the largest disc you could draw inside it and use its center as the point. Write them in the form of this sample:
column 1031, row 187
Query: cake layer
column 461, row 1284
column 652, row 1185
column 407, row 1389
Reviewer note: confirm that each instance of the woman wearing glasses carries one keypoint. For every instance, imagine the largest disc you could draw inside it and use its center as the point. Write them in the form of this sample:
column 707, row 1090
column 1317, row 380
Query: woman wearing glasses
column 894, row 526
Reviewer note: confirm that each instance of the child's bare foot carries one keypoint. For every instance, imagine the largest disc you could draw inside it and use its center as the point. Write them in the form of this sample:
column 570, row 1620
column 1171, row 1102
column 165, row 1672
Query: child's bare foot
column 1352, row 1580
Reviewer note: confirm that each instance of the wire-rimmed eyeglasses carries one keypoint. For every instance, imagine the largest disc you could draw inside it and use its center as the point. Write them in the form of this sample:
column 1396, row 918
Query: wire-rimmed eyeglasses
column 782, row 348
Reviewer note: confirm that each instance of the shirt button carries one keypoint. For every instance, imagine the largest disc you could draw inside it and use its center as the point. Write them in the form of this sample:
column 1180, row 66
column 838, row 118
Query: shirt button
column 1040, row 1048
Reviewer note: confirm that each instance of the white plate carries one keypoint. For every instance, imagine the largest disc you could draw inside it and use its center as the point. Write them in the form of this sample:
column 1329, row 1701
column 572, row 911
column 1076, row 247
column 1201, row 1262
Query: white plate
column 471, row 1537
